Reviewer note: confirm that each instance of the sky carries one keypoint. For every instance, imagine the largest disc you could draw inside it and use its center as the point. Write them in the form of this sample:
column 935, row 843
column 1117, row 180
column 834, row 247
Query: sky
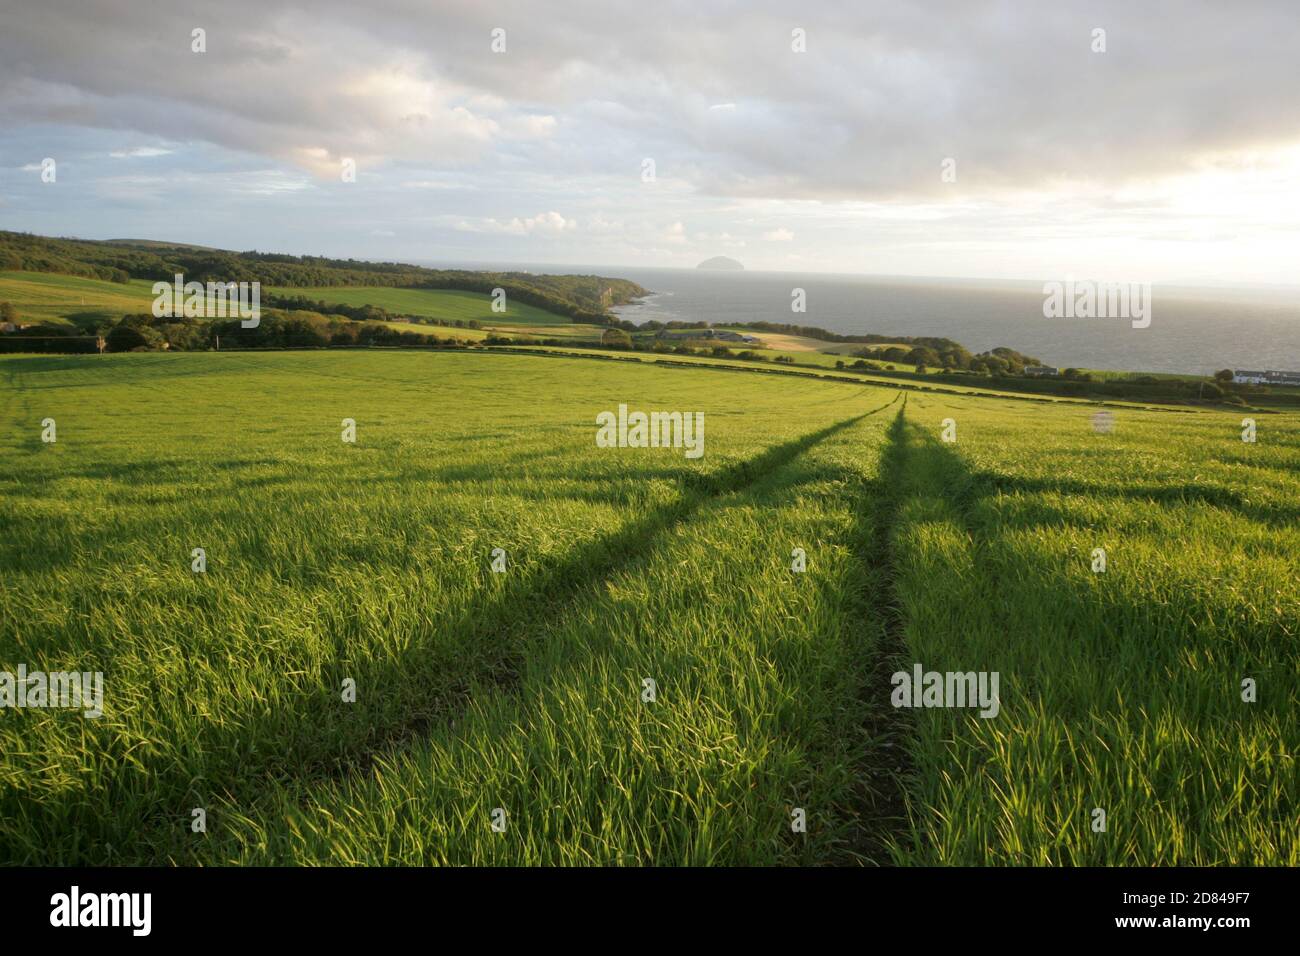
column 1151, row 141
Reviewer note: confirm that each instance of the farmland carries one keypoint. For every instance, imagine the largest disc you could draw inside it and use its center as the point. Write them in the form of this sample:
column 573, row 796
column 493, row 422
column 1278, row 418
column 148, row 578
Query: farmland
column 54, row 299
column 446, row 304
column 525, row 691
column 63, row 299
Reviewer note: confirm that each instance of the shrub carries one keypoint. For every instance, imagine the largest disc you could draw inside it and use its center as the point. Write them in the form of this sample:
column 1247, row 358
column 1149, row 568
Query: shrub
column 615, row 339
column 125, row 338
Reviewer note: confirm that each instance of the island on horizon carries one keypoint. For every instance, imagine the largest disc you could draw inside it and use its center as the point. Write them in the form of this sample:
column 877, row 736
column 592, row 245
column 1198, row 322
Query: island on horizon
column 723, row 263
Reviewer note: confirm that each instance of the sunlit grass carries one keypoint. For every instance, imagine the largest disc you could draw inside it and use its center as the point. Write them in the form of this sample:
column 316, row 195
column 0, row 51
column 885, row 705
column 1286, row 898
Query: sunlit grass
column 523, row 691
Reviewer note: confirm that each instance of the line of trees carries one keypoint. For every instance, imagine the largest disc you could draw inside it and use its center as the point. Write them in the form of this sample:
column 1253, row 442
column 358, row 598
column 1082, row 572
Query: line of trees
column 998, row 361
column 276, row 329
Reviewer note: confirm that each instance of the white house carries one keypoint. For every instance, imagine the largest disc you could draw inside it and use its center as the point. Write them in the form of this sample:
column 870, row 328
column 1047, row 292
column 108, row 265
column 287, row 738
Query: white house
column 1282, row 378
column 1042, row 370
column 1243, row 377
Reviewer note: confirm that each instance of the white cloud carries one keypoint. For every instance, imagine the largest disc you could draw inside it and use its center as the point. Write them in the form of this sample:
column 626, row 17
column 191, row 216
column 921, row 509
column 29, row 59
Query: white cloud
column 141, row 152
column 532, row 127
column 431, row 184
column 549, row 223
column 778, row 235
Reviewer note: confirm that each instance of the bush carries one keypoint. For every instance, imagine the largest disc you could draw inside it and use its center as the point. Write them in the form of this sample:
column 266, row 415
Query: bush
column 615, row 339
column 125, row 338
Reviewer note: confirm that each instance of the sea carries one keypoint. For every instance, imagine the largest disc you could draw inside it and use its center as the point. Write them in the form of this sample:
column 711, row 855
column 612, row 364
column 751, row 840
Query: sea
column 1193, row 329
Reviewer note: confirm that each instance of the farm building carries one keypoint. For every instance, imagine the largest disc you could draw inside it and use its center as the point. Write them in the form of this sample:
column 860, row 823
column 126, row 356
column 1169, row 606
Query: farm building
column 1282, row 378
column 1041, row 370
column 1244, row 377
column 734, row 337
column 717, row 335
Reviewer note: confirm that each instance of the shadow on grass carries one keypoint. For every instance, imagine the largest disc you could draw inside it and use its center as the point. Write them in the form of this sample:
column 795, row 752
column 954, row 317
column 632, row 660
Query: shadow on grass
column 1169, row 496
column 872, row 616
column 824, row 738
column 1088, row 655
column 481, row 649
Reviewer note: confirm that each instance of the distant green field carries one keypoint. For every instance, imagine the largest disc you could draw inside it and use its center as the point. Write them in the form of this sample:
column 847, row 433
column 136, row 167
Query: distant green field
column 61, row 299
column 957, row 384
column 574, row 331
column 47, row 297
column 525, row 691
column 1110, row 374
column 433, row 303
column 473, row 335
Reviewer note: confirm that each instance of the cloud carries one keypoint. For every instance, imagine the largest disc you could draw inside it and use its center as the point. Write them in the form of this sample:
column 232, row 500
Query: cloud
column 430, row 184
column 141, row 152
column 545, row 224
column 779, row 235
column 868, row 112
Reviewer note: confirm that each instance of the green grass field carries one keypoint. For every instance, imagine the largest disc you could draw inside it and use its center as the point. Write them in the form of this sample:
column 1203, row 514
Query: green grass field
column 448, row 304
column 524, row 691
column 55, row 299
column 469, row 335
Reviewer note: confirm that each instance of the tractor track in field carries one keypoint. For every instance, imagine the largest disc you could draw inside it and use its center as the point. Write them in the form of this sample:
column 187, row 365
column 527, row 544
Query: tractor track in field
column 562, row 585
column 886, row 766
column 495, row 634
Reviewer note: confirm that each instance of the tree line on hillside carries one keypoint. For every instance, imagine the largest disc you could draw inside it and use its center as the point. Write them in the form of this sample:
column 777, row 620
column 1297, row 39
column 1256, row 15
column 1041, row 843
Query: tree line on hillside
column 998, row 361
column 276, row 328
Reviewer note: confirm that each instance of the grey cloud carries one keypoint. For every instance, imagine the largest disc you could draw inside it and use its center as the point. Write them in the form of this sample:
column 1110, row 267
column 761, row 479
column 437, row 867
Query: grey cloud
column 883, row 95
